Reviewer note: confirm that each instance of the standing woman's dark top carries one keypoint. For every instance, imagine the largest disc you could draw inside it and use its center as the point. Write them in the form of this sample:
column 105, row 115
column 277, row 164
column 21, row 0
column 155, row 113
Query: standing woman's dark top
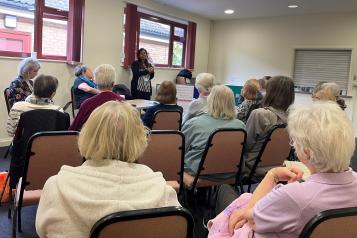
column 143, row 72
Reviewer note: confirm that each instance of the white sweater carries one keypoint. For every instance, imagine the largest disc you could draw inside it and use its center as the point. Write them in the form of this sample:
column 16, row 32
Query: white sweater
column 77, row 197
column 21, row 107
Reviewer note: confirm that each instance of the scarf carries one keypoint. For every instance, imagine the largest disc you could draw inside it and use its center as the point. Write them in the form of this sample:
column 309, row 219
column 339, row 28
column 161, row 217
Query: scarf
column 37, row 100
column 87, row 81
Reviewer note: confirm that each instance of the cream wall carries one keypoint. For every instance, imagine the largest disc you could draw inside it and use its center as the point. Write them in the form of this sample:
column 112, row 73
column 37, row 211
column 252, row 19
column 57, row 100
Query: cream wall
column 103, row 30
column 252, row 48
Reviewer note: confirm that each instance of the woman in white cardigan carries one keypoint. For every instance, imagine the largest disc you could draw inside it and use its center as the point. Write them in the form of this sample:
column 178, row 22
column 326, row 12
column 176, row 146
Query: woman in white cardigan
column 109, row 181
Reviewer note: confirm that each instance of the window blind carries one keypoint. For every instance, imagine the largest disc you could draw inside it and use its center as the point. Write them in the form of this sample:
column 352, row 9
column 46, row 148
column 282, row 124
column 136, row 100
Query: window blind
column 314, row 65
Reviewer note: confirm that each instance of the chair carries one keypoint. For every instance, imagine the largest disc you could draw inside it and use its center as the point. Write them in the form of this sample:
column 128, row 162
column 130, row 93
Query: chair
column 174, row 222
column 333, row 223
column 6, row 96
column 73, row 103
column 223, row 154
column 165, row 152
column 275, row 150
column 167, row 120
column 42, row 162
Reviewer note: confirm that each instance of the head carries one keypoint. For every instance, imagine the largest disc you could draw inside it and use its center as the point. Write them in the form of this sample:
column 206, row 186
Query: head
column 323, row 136
column 279, row 93
column 28, row 68
column 113, row 131
column 166, row 93
column 183, row 75
column 83, row 70
column 45, row 86
column 142, row 54
column 250, row 89
column 317, row 88
column 329, row 92
column 221, row 103
column 263, row 82
column 204, row 83
column 104, row 76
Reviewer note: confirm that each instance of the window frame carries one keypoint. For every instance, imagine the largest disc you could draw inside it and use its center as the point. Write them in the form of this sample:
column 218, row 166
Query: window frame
column 172, row 37
column 74, row 17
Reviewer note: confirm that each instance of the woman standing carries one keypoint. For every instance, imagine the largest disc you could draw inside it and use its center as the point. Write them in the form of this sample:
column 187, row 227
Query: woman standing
column 143, row 72
column 22, row 86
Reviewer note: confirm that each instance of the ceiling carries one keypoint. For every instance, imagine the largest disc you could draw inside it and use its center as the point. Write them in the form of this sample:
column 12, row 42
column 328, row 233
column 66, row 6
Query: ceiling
column 214, row 9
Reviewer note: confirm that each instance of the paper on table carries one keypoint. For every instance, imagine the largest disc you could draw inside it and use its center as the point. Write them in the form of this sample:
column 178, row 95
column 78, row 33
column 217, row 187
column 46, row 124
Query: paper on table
column 299, row 165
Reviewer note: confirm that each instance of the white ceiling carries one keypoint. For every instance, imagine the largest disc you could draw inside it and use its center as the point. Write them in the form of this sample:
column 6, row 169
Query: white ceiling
column 214, row 9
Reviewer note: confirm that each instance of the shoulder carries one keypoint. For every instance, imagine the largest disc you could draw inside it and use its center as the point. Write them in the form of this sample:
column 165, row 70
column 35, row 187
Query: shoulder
column 17, row 81
column 20, row 106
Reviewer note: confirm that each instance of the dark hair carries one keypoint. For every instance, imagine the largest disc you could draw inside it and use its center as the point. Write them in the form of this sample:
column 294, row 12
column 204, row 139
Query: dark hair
column 166, row 93
column 139, row 51
column 44, row 86
column 79, row 70
column 279, row 93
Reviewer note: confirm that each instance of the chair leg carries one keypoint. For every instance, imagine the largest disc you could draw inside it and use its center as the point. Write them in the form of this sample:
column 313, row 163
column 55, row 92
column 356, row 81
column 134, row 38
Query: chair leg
column 14, row 224
column 7, row 151
column 19, row 219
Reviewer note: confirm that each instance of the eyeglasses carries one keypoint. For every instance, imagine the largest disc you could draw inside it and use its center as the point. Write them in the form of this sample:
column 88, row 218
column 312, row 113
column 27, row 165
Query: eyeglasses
column 148, row 132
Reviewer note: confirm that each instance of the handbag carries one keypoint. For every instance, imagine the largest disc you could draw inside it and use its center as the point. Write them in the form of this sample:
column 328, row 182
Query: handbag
column 5, row 187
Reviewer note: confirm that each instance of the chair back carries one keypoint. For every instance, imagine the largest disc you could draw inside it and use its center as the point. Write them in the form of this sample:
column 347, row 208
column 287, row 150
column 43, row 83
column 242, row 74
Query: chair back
column 6, row 97
column 223, row 154
column 333, row 223
column 165, row 153
column 276, row 148
column 174, row 222
column 167, row 120
column 74, row 102
column 44, row 161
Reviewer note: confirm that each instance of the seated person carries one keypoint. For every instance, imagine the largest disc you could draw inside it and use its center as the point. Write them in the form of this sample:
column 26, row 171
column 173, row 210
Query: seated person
column 249, row 93
column 22, row 86
column 328, row 92
column 221, row 114
column 84, row 87
column 276, row 210
column 122, row 91
column 185, row 77
column 105, row 76
column 279, row 96
column 44, row 89
column 204, row 84
column 109, row 180
column 166, row 96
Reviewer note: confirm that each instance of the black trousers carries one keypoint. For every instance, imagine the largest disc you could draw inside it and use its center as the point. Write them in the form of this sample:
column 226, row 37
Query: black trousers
column 226, row 195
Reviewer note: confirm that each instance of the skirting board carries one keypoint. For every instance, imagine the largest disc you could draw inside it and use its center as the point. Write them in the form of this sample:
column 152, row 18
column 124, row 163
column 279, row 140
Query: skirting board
column 5, row 142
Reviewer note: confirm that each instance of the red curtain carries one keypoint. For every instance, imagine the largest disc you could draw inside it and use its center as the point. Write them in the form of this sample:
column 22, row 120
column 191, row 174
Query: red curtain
column 191, row 43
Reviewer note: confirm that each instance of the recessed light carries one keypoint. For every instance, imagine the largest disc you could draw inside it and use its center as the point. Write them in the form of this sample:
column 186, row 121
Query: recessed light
column 293, row 6
column 229, row 11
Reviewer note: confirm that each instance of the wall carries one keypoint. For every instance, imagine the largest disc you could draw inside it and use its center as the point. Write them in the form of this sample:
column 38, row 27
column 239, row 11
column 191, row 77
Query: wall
column 102, row 43
column 252, row 48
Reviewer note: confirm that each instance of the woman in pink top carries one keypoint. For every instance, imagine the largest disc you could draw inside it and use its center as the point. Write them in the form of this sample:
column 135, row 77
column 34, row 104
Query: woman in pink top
column 324, row 140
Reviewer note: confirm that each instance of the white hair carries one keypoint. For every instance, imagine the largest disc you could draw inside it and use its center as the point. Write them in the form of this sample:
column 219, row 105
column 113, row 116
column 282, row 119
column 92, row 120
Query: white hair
column 332, row 87
column 26, row 65
column 221, row 103
column 325, row 131
column 205, row 82
column 104, row 76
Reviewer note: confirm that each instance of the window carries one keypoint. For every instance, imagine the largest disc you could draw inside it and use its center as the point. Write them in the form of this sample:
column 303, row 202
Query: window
column 44, row 26
column 163, row 39
column 170, row 42
column 315, row 65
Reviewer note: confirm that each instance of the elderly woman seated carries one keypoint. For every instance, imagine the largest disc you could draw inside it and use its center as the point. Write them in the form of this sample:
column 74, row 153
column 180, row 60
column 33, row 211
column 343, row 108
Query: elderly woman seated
column 324, row 140
column 109, row 180
column 221, row 114
column 328, row 92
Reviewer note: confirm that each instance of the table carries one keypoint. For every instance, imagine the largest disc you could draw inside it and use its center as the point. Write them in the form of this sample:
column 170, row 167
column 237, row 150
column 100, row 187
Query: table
column 142, row 104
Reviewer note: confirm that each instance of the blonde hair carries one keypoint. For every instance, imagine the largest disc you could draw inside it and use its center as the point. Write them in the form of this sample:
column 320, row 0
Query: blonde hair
column 113, row 131
column 325, row 130
column 221, row 103
column 250, row 89
column 104, row 76
column 205, row 82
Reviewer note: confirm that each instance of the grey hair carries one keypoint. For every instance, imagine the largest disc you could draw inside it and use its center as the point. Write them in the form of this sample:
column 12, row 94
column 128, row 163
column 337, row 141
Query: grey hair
column 26, row 65
column 332, row 87
column 205, row 82
column 105, row 76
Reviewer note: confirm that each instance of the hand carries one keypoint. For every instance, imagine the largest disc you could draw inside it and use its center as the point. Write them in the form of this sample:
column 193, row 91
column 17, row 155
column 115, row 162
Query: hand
column 151, row 69
column 287, row 174
column 237, row 219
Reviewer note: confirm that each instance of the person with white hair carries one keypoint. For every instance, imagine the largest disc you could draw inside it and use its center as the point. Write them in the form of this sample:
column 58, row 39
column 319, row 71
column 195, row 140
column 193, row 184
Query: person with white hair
column 324, row 140
column 22, row 86
column 221, row 114
column 105, row 76
column 204, row 84
column 110, row 180
column 328, row 91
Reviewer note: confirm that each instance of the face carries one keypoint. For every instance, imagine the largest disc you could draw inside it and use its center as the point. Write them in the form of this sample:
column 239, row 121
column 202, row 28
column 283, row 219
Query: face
column 32, row 73
column 323, row 95
column 88, row 74
column 143, row 55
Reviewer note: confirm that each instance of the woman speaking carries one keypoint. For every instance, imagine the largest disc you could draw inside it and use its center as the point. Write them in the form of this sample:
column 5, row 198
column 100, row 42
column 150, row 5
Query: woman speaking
column 143, row 72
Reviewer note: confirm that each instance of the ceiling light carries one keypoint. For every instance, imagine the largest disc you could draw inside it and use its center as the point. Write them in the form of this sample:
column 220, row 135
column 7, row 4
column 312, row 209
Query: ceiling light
column 293, row 6
column 229, row 11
